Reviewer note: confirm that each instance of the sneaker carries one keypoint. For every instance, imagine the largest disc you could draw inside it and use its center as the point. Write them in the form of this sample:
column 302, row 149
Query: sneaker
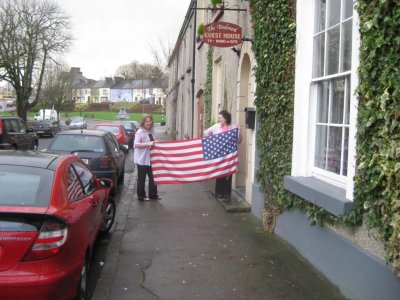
column 155, row 198
column 146, row 199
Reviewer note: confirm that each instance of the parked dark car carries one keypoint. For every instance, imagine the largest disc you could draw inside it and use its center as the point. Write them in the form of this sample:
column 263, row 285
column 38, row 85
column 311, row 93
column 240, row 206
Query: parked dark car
column 14, row 134
column 50, row 215
column 130, row 130
column 100, row 150
column 46, row 127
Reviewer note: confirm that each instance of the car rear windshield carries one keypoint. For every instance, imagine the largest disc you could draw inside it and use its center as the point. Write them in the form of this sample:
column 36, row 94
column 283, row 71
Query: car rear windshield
column 71, row 142
column 46, row 122
column 26, row 186
column 113, row 129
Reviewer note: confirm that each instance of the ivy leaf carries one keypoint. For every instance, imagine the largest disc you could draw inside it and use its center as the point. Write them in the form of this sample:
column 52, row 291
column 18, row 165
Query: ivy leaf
column 368, row 25
column 396, row 168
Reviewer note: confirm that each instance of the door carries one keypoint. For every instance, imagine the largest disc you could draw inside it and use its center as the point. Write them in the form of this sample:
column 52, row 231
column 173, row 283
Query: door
column 84, row 206
column 95, row 197
column 14, row 136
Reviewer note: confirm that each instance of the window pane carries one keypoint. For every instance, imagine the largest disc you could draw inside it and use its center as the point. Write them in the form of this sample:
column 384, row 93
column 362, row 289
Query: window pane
column 334, row 150
column 346, row 46
column 345, row 151
column 25, row 186
column 319, row 55
column 75, row 191
column 348, row 9
column 320, row 147
column 333, row 51
column 320, row 12
column 333, row 12
column 323, row 102
column 347, row 113
column 337, row 102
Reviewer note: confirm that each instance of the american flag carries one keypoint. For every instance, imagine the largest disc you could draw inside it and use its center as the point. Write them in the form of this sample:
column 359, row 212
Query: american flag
column 195, row 160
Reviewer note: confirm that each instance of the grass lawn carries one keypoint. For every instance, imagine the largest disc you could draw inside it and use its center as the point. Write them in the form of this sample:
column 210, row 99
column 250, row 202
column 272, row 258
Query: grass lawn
column 98, row 115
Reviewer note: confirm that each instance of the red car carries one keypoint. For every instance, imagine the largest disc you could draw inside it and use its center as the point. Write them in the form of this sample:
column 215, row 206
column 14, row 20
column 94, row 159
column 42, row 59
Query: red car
column 118, row 130
column 51, row 212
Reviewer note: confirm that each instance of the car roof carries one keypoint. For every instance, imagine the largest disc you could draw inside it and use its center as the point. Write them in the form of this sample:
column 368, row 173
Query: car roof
column 108, row 124
column 10, row 117
column 29, row 159
column 83, row 132
column 122, row 121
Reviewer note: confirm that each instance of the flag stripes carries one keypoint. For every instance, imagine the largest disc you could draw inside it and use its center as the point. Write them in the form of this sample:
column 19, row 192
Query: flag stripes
column 183, row 161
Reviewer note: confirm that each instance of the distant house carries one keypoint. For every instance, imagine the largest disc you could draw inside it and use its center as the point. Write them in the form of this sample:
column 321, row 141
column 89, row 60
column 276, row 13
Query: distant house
column 117, row 89
column 81, row 86
column 120, row 91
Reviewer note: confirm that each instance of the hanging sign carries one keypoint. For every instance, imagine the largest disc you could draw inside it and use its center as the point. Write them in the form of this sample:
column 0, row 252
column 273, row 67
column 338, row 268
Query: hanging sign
column 222, row 34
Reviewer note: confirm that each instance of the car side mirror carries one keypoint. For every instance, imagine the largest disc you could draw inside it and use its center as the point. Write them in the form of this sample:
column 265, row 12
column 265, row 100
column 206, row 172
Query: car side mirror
column 105, row 183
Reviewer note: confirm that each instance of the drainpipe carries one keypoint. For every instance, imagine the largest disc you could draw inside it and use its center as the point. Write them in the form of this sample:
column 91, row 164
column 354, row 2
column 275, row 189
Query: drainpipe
column 194, row 10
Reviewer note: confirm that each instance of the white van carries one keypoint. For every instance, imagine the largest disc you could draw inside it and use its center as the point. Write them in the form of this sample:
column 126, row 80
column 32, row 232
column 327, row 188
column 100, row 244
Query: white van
column 46, row 114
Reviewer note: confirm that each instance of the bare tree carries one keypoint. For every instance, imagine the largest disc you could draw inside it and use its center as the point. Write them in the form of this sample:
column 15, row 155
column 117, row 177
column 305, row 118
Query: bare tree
column 138, row 71
column 161, row 57
column 129, row 71
column 31, row 31
column 57, row 86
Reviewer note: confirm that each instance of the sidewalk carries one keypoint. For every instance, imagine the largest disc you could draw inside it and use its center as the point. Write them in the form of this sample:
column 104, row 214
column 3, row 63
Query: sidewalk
column 187, row 247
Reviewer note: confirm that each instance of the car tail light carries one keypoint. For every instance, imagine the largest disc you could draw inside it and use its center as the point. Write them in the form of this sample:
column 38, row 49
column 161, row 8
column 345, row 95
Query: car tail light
column 105, row 161
column 51, row 238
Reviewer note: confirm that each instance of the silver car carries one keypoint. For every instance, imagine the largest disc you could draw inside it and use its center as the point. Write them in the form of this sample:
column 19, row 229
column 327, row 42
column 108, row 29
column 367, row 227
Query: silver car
column 78, row 123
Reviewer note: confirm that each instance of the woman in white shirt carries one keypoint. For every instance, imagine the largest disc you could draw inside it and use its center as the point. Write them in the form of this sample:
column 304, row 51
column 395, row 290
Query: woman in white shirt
column 223, row 186
column 144, row 140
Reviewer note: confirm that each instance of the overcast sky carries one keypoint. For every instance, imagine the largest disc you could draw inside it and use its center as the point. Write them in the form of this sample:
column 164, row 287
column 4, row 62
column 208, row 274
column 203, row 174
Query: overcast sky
column 111, row 33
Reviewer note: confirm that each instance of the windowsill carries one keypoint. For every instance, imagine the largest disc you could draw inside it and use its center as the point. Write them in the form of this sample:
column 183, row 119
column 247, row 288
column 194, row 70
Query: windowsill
column 325, row 195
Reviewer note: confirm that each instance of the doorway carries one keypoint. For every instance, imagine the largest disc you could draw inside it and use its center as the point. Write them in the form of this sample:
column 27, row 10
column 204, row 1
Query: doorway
column 200, row 114
column 243, row 102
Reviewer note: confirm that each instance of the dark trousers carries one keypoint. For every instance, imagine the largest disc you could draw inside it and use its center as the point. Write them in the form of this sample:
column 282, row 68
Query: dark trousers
column 141, row 182
column 223, row 187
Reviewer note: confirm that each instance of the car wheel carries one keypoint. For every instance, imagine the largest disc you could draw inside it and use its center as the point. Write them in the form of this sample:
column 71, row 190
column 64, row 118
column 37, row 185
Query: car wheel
column 109, row 216
column 82, row 286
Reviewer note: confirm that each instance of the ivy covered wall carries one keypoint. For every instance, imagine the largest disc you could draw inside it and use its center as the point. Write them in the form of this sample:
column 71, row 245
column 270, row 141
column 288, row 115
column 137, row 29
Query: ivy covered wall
column 274, row 49
column 377, row 183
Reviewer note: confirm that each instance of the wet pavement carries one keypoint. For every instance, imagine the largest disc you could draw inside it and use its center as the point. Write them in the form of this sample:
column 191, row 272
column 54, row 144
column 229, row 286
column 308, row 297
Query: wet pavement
column 186, row 246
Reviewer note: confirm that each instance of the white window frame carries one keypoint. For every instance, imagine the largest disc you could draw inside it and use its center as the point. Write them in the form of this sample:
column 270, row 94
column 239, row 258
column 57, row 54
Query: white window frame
column 305, row 102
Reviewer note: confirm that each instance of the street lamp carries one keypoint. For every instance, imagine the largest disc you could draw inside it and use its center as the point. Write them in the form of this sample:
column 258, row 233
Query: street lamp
column 142, row 95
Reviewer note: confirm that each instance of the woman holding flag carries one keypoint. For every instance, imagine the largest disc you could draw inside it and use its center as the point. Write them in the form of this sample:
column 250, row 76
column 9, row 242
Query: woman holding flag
column 144, row 140
column 223, row 185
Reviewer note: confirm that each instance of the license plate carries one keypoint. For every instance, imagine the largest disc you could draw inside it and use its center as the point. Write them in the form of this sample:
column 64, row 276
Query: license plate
column 40, row 131
column 85, row 160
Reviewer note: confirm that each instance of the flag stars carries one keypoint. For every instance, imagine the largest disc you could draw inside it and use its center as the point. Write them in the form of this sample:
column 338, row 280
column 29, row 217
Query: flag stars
column 220, row 145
